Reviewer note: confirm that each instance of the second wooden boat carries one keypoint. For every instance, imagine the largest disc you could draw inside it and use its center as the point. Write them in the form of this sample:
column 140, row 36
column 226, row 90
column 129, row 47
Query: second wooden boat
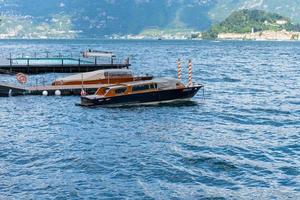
column 107, row 76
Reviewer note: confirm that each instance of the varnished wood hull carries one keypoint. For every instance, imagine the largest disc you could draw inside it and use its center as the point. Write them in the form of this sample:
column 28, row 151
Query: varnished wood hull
column 140, row 98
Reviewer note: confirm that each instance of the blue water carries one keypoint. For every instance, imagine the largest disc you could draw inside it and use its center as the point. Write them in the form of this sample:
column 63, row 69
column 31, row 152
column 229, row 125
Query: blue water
column 241, row 142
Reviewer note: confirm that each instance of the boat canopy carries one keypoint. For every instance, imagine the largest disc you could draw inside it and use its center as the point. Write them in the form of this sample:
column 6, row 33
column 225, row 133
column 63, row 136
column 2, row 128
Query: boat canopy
column 94, row 53
column 97, row 75
column 163, row 83
column 167, row 83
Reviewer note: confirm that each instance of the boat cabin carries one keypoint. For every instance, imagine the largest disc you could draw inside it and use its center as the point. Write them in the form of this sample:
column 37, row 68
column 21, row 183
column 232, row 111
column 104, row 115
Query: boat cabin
column 139, row 87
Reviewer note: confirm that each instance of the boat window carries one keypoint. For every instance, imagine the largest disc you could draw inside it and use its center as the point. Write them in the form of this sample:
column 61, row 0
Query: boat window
column 120, row 90
column 140, row 87
column 106, row 90
column 153, row 86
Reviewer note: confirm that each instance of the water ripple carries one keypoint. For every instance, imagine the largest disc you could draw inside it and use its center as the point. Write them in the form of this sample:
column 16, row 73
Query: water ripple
column 241, row 142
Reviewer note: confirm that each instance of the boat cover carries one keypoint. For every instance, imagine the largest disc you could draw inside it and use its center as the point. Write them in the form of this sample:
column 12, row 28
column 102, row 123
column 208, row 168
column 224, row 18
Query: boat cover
column 97, row 75
column 163, row 83
column 167, row 83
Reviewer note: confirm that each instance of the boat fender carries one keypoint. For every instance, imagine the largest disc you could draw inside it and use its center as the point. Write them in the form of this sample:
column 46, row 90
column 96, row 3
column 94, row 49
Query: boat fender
column 45, row 93
column 57, row 92
column 9, row 92
column 83, row 92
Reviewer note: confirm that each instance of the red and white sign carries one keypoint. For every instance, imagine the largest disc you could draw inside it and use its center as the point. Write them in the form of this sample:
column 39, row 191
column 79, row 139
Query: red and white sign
column 22, row 78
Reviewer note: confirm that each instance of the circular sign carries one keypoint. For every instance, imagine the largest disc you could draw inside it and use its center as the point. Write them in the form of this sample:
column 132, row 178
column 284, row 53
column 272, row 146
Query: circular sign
column 22, row 78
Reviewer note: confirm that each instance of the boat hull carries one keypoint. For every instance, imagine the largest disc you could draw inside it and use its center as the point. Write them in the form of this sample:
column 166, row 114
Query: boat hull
column 141, row 98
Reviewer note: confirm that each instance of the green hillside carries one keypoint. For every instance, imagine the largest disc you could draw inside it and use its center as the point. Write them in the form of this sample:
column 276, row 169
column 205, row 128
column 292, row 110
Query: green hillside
column 246, row 21
column 223, row 8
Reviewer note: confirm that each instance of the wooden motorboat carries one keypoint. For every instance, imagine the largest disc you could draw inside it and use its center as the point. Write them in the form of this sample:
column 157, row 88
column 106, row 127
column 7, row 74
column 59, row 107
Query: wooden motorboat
column 107, row 76
column 141, row 92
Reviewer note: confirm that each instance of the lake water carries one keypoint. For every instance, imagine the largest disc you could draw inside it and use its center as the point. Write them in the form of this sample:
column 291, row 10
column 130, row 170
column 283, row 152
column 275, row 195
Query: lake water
column 240, row 142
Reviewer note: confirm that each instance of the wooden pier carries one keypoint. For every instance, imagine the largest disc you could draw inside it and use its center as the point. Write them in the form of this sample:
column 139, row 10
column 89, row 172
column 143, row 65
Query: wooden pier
column 7, row 90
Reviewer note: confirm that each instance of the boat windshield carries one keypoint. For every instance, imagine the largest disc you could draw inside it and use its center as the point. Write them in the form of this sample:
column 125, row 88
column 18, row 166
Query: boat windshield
column 106, row 90
column 120, row 90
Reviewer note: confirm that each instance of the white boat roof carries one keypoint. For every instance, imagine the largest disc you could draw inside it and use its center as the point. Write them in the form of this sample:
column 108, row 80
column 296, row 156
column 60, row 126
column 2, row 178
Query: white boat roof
column 95, row 53
column 96, row 75
column 162, row 83
column 166, row 83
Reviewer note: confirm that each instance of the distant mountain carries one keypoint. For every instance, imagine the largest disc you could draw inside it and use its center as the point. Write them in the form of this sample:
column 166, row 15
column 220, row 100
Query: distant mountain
column 97, row 18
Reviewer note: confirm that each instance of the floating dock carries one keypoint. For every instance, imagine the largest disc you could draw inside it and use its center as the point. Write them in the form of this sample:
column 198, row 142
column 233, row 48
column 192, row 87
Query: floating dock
column 7, row 90
column 63, row 68
column 61, row 64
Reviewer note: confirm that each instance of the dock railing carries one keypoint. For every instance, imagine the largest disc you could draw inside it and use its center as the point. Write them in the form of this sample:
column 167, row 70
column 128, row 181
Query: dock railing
column 46, row 58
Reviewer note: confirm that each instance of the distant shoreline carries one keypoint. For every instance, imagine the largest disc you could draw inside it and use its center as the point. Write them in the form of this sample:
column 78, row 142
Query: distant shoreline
column 262, row 36
column 221, row 39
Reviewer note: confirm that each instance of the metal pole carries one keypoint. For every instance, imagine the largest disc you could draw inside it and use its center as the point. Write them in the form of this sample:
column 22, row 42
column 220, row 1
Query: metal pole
column 10, row 59
column 28, row 65
column 36, row 83
column 82, row 93
column 79, row 65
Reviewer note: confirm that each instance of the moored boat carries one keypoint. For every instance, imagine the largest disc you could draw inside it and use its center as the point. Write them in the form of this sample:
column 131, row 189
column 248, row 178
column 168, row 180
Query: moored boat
column 73, row 85
column 107, row 76
column 141, row 92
